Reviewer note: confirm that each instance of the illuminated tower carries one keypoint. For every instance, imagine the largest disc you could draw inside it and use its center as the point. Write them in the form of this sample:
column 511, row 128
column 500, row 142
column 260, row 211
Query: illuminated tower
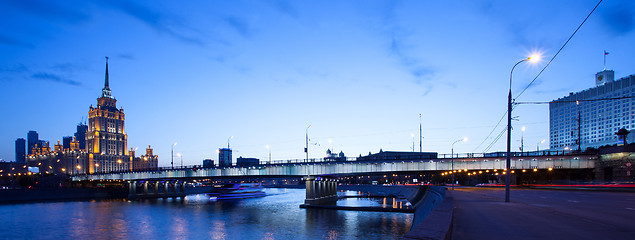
column 106, row 139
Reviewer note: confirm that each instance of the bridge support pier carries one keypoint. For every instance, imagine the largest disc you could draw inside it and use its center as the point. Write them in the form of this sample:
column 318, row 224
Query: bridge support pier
column 152, row 191
column 320, row 190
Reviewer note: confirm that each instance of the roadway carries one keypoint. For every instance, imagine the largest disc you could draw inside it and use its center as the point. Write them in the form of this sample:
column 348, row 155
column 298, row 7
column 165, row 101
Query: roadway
column 482, row 213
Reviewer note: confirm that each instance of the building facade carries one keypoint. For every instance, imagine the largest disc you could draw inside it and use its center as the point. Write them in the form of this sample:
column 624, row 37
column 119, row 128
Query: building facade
column 32, row 139
column 247, row 162
column 20, row 150
column 397, row 156
column 80, row 135
column 146, row 162
column 106, row 140
column 591, row 118
column 225, row 157
column 59, row 160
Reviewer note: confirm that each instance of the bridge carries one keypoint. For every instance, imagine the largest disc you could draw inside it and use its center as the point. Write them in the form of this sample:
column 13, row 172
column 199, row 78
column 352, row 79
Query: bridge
column 321, row 176
column 352, row 167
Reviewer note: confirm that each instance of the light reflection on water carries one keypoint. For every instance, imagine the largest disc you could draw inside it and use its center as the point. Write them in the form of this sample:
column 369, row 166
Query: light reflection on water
column 276, row 216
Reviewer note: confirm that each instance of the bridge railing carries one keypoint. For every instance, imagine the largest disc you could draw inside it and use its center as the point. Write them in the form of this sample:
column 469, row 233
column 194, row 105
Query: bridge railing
column 504, row 154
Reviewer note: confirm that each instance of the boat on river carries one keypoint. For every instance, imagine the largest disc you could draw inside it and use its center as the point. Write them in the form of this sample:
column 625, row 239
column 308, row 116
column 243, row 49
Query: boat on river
column 236, row 191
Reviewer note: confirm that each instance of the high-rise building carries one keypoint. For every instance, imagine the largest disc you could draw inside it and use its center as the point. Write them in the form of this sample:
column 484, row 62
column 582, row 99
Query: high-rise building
column 80, row 135
column 106, row 139
column 20, row 150
column 32, row 139
column 591, row 118
column 225, row 157
column 66, row 142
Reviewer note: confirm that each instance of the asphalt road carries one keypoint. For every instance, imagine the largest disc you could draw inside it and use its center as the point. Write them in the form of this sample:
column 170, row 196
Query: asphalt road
column 542, row 214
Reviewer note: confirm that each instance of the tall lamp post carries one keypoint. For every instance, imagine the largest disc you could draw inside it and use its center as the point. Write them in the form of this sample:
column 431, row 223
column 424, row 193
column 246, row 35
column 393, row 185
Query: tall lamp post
column 180, row 157
column 306, row 148
column 452, row 157
column 522, row 139
column 269, row 148
column 509, row 126
column 172, row 154
column 538, row 145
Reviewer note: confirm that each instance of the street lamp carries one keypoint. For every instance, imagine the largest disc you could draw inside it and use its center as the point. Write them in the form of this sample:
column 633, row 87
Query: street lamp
column 452, row 157
column 522, row 139
column 538, row 145
column 412, row 135
column 509, row 124
column 269, row 148
column 181, row 157
column 306, row 149
column 172, row 154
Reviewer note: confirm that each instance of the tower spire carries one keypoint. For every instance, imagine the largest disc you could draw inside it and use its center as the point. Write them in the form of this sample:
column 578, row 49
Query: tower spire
column 105, row 92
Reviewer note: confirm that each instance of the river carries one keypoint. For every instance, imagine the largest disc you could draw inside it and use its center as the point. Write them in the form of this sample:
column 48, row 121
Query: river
column 276, row 216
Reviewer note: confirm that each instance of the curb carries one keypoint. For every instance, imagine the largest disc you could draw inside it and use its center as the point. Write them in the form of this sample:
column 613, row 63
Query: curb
column 437, row 225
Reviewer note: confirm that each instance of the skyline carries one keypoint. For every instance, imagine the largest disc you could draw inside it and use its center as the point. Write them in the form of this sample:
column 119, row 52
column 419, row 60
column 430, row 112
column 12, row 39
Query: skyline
column 359, row 73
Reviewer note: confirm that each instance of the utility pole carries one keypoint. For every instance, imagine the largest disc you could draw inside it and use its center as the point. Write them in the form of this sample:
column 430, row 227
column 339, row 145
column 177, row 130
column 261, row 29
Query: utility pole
column 420, row 136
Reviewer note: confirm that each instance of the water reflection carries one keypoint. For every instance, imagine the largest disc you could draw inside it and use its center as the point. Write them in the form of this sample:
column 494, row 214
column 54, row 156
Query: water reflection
column 276, row 216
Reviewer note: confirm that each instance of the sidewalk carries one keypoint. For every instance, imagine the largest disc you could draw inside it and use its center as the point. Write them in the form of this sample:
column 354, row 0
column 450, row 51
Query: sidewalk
column 542, row 214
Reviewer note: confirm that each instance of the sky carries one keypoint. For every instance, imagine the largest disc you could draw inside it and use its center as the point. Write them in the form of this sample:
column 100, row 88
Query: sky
column 358, row 72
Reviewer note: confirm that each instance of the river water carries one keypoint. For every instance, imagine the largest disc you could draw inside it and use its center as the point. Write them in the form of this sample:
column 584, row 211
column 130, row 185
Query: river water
column 276, row 216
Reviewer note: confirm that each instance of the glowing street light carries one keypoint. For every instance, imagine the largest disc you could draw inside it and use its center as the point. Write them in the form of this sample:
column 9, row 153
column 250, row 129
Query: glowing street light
column 306, row 148
column 534, row 58
column 452, row 157
column 522, row 139
column 172, row 155
column 538, row 145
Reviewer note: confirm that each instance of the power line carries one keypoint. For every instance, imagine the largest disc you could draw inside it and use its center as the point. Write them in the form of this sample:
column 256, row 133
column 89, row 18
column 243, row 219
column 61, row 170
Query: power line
column 532, row 81
column 554, row 56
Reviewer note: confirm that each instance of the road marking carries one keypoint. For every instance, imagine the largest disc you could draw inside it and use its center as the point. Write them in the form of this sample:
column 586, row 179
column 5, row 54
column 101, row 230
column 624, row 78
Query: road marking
column 573, row 201
column 632, row 209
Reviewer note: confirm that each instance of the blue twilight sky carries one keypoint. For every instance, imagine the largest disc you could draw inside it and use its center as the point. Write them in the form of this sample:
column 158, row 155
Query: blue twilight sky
column 359, row 72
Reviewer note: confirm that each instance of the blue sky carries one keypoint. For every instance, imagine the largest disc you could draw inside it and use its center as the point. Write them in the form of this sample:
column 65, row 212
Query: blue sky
column 358, row 72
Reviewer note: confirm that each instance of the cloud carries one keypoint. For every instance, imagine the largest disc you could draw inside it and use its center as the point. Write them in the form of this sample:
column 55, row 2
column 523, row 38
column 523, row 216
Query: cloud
column 239, row 25
column 54, row 78
column 414, row 66
column 619, row 19
column 70, row 67
column 157, row 20
column 127, row 56
column 19, row 68
column 4, row 40
column 286, row 8
column 65, row 11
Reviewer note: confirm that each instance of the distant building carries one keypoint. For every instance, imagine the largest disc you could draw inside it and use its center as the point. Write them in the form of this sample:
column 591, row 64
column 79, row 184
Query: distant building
column 247, row 162
column 106, row 139
column 32, row 139
column 594, row 122
column 225, row 157
column 20, row 150
column 397, row 156
column 149, row 161
column 80, row 135
column 330, row 156
column 66, row 142
column 59, row 160
column 208, row 163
